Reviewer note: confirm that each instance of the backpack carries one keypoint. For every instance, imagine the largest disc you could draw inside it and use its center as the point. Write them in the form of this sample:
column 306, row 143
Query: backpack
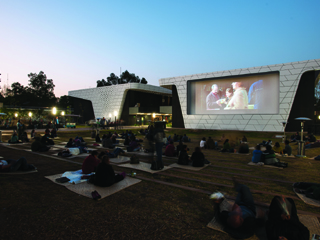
column 134, row 159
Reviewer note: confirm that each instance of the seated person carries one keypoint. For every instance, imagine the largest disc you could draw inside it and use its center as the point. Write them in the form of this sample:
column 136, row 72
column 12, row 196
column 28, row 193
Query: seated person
column 115, row 153
column 210, row 143
column 203, row 143
column 38, row 146
column 180, row 147
column 184, row 157
column 175, row 138
column 265, row 143
column 313, row 145
column 126, row 141
column 15, row 165
column 90, row 163
column 98, row 140
column 105, row 176
column 134, row 146
column 256, row 154
column 170, row 152
column 283, row 221
column 226, row 146
column 240, row 220
column 244, row 139
column 47, row 132
column 295, row 138
column 268, row 156
column 53, row 133
column 222, row 139
column 287, row 149
column 24, row 137
column 197, row 158
column 243, row 148
column 185, row 138
column 45, row 140
column 311, row 138
column 70, row 143
column 14, row 138
column 277, row 148
column 107, row 143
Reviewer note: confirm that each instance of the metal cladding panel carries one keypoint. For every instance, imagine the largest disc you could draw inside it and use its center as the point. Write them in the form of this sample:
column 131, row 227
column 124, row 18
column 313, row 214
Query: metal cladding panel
column 289, row 77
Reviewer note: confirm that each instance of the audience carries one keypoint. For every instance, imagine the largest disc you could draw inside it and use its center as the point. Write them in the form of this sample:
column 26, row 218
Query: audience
column 180, row 147
column 256, row 154
column 210, row 143
column 185, row 138
column 268, row 156
column 197, row 158
column 33, row 133
column 287, row 149
column 14, row 138
column 170, row 152
column 226, row 146
column 243, row 148
column 283, row 221
column 203, row 143
column 90, row 163
column 38, row 146
column 115, row 153
column 184, row 157
column 105, row 176
column 244, row 139
column 15, row 165
column 98, row 140
column 277, row 148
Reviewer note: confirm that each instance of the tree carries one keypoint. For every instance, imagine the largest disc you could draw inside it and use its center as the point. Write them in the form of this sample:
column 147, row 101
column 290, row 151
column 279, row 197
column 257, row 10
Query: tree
column 113, row 79
column 64, row 101
column 101, row 83
column 42, row 88
column 144, row 81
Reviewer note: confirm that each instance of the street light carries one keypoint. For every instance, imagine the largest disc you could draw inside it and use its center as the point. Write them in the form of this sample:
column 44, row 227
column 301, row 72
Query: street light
column 115, row 119
column 62, row 113
column 284, row 131
column 16, row 114
column 301, row 149
column 54, row 110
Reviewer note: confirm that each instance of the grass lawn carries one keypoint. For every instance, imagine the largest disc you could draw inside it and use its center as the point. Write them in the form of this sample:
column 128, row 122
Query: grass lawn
column 159, row 207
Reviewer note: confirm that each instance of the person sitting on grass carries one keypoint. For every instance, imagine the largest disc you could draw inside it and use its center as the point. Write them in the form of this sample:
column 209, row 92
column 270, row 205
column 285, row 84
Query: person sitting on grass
column 185, row 138
column 24, row 137
column 38, row 146
column 90, row 163
column 277, row 148
column 33, row 133
column 244, row 148
column 98, row 140
column 210, row 143
column 184, row 157
column 14, row 138
column 256, row 154
column 268, row 156
column 287, row 149
column 244, row 139
column 240, row 220
column 105, row 176
column 180, row 147
column 107, row 142
column 47, row 132
column 70, row 143
column 203, row 143
column 170, row 152
column 53, row 133
column 283, row 222
column 226, row 146
column 134, row 146
column 175, row 138
column 197, row 158
column 15, row 165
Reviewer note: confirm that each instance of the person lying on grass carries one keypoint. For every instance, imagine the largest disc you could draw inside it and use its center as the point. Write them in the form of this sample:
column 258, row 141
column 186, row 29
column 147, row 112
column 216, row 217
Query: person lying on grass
column 11, row 165
column 105, row 176
column 240, row 219
column 115, row 153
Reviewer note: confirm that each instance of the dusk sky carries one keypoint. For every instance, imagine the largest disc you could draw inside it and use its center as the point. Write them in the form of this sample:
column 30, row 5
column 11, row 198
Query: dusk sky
column 79, row 42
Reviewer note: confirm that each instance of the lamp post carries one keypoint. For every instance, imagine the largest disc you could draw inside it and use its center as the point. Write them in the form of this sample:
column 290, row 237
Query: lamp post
column 30, row 115
column 62, row 114
column 284, row 131
column 301, row 146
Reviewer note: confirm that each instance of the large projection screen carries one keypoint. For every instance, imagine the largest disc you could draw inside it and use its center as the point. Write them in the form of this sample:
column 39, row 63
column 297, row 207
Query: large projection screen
column 244, row 94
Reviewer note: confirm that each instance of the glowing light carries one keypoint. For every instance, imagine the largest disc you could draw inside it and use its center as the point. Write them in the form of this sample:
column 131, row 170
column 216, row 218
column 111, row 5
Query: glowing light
column 16, row 114
column 62, row 113
column 54, row 110
column 115, row 113
column 30, row 114
column 154, row 115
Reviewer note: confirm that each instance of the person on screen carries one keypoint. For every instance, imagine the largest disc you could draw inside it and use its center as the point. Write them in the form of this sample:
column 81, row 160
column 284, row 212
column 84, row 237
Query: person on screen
column 240, row 97
column 224, row 101
column 213, row 98
column 255, row 94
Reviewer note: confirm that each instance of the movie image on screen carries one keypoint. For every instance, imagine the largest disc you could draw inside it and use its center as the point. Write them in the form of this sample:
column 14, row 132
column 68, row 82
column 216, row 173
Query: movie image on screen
column 245, row 94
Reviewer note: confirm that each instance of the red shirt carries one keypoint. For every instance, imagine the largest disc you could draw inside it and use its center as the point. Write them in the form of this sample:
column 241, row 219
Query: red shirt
column 89, row 164
column 169, row 150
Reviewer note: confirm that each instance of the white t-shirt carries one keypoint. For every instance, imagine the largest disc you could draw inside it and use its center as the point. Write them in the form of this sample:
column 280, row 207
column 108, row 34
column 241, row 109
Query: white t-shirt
column 202, row 143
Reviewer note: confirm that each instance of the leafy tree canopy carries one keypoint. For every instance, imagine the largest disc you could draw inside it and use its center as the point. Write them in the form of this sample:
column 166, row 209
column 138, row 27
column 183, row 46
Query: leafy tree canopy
column 125, row 77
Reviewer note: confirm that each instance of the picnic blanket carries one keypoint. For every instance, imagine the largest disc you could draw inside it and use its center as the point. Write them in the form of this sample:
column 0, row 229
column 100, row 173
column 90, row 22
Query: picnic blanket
column 85, row 189
column 266, row 166
column 311, row 222
column 188, row 167
column 142, row 166
column 120, row 159
column 307, row 200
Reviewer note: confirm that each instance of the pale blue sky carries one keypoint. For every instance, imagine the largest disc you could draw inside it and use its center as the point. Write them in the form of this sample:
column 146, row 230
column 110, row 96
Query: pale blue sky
column 78, row 42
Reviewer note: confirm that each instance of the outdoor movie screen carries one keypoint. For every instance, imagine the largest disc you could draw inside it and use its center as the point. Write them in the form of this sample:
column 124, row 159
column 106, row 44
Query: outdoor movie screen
column 245, row 94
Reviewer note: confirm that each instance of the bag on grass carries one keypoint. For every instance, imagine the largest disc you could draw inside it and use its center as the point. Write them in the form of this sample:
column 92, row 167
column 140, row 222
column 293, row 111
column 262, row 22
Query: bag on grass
column 134, row 159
